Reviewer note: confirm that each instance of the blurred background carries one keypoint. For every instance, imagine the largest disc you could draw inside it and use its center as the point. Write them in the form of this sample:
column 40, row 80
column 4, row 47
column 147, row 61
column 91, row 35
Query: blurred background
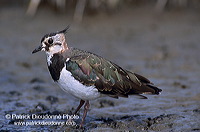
column 155, row 38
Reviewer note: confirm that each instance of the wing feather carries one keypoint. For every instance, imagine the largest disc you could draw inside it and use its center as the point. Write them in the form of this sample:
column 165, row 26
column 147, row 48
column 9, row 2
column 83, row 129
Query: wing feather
column 108, row 77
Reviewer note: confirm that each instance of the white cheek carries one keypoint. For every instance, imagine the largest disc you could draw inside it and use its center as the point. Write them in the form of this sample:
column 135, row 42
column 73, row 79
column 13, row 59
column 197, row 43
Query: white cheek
column 55, row 49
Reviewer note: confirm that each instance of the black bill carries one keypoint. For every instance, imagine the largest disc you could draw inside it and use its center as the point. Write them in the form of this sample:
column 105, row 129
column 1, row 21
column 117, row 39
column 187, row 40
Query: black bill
column 37, row 49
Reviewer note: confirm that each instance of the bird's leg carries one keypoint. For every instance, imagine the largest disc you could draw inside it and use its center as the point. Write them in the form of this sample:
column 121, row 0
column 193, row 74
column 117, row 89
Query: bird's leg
column 78, row 108
column 86, row 108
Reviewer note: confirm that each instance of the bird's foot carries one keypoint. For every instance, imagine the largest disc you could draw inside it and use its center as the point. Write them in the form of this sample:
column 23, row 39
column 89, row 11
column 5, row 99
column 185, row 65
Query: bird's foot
column 81, row 125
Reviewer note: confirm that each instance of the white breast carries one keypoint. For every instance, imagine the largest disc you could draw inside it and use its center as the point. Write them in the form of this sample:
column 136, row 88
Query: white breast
column 69, row 84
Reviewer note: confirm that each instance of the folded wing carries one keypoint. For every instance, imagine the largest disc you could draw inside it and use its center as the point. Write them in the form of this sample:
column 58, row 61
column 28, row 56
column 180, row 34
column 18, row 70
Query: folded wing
column 108, row 77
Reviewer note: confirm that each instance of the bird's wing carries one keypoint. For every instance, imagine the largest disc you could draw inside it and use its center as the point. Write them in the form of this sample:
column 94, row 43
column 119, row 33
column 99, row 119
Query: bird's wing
column 106, row 76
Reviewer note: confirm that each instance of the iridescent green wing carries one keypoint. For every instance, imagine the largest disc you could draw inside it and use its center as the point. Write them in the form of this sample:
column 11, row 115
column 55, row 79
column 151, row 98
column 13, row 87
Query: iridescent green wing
column 107, row 77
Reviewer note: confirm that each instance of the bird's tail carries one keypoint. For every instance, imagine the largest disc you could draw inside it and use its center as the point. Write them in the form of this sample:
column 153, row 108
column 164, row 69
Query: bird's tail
column 142, row 85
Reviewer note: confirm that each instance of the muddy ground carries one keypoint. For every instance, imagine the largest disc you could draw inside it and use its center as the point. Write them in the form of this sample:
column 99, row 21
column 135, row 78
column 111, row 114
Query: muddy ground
column 163, row 47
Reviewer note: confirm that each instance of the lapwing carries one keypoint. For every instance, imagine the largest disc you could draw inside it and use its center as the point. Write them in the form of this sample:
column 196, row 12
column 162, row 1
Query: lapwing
column 88, row 76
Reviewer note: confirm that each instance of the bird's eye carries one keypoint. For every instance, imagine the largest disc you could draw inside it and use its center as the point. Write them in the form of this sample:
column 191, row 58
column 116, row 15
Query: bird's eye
column 50, row 41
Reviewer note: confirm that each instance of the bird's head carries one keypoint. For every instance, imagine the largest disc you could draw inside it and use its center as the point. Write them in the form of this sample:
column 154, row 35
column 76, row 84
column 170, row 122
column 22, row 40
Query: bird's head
column 53, row 42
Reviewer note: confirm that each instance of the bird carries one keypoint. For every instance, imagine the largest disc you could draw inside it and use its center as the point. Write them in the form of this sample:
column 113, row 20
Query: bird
column 88, row 76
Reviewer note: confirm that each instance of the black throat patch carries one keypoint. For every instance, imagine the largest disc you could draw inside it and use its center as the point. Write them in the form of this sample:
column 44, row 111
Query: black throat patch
column 56, row 66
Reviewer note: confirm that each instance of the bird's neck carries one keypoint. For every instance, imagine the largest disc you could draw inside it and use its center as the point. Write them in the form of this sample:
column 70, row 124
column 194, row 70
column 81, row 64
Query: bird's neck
column 49, row 56
column 55, row 62
column 65, row 54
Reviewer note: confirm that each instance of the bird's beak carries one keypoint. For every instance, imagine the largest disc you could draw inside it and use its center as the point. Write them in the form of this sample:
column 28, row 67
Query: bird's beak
column 37, row 49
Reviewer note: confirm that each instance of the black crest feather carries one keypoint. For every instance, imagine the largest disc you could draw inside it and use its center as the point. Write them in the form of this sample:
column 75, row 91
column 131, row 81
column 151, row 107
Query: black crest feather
column 64, row 30
column 52, row 34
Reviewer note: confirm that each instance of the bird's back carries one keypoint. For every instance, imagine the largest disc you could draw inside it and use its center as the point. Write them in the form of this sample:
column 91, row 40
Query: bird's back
column 106, row 76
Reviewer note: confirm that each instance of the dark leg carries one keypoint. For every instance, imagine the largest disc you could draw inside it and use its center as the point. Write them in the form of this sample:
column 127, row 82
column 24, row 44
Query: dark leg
column 78, row 108
column 86, row 108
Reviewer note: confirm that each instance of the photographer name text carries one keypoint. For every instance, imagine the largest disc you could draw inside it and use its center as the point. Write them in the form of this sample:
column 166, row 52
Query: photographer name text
column 40, row 116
